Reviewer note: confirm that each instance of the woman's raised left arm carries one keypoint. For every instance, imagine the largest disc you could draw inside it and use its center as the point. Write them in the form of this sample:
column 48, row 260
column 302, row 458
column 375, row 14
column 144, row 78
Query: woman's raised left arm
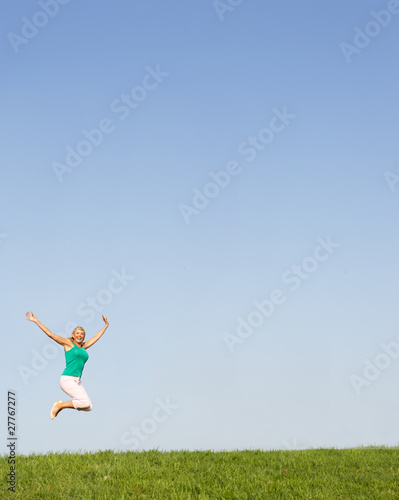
column 94, row 339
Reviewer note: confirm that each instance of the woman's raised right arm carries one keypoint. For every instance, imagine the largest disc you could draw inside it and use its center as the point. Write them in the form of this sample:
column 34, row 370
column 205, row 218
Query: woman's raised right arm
column 60, row 340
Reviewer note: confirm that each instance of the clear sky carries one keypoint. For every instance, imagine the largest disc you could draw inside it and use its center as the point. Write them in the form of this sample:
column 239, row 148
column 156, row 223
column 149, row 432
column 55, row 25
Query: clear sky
column 211, row 176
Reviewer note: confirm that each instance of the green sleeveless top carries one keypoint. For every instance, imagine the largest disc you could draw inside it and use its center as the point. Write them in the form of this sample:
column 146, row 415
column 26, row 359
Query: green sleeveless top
column 75, row 361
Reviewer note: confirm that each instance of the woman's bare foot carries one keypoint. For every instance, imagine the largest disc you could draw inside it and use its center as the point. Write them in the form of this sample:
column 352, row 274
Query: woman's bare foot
column 55, row 409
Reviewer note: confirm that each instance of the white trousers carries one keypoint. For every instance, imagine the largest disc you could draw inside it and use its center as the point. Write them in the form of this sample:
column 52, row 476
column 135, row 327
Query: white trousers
column 74, row 388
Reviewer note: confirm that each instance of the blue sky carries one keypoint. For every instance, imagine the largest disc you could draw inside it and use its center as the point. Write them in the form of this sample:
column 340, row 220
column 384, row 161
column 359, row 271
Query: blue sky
column 260, row 96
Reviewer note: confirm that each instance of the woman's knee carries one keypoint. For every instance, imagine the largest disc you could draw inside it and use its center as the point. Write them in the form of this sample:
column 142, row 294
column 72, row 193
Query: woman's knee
column 85, row 405
column 89, row 406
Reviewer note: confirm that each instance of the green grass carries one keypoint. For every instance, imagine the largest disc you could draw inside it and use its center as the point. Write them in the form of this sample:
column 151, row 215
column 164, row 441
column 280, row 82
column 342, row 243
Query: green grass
column 358, row 473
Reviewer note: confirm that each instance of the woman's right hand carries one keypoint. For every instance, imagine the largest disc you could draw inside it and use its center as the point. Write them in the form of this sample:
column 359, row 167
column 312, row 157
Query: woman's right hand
column 31, row 317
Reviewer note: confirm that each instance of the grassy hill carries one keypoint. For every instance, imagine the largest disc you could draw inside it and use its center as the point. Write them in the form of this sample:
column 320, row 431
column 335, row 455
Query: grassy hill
column 359, row 473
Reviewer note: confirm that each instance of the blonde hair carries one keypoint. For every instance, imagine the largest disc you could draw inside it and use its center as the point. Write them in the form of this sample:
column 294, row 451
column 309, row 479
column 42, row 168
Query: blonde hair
column 74, row 330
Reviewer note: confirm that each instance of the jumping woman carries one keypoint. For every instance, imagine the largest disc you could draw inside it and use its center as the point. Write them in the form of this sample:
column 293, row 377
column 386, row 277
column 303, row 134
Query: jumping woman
column 76, row 357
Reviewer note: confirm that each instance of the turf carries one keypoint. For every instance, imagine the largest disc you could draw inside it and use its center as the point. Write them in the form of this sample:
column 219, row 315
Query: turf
column 358, row 473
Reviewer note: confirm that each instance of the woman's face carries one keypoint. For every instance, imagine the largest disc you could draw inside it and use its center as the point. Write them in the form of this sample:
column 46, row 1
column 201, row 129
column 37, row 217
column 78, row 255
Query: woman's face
column 79, row 336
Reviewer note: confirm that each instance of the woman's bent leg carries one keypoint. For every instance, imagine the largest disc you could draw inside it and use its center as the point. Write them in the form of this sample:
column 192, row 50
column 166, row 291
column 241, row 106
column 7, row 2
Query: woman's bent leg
column 74, row 388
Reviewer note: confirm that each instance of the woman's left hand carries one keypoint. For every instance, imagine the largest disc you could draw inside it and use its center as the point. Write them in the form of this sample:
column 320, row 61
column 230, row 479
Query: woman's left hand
column 105, row 320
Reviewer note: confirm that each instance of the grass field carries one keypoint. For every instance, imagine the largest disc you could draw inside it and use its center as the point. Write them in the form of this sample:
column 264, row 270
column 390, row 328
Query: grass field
column 359, row 473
